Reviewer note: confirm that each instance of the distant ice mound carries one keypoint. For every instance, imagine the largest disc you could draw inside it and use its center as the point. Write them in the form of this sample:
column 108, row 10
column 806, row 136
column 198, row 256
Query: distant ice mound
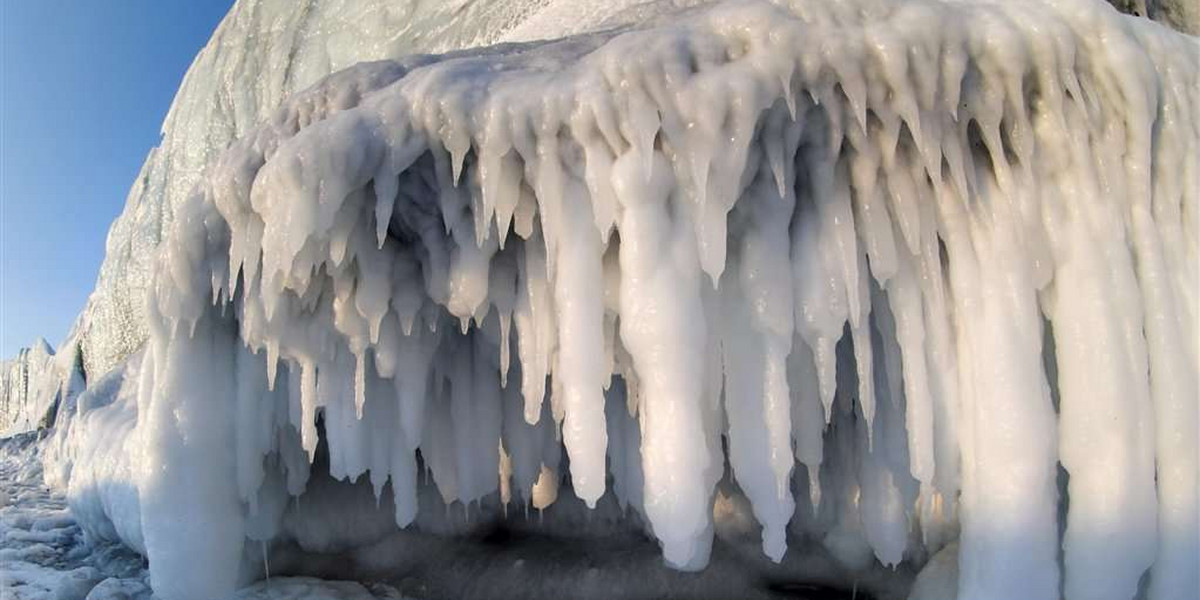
column 32, row 385
column 881, row 267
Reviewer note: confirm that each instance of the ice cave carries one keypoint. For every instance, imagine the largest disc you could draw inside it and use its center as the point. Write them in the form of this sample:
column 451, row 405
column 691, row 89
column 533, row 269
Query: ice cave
column 897, row 296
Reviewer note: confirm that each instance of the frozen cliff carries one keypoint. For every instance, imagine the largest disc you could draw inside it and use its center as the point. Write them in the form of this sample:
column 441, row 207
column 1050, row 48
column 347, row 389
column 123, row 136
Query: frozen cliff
column 887, row 275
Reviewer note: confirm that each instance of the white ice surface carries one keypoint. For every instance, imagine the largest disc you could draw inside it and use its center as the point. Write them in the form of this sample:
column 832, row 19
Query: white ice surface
column 716, row 245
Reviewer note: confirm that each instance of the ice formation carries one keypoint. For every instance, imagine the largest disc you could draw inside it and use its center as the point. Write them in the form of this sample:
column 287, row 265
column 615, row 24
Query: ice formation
column 264, row 52
column 33, row 384
column 885, row 264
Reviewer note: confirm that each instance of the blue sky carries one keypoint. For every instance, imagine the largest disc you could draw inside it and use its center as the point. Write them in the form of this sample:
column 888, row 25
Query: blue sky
column 84, row 87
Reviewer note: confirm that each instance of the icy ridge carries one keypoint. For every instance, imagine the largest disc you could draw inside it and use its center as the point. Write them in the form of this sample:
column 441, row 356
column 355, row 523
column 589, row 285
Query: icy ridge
column 926, row 250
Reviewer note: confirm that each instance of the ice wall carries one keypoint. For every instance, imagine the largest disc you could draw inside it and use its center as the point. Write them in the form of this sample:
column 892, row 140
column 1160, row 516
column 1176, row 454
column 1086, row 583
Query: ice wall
column 926, row 251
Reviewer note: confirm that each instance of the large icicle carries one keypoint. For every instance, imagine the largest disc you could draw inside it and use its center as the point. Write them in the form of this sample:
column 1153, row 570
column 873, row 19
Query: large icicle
column 579, row 296
column 661, row 326
column 1009, row 534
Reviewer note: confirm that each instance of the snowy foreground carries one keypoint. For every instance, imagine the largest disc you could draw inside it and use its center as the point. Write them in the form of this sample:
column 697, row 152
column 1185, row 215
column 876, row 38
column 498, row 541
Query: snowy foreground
column 849, row 283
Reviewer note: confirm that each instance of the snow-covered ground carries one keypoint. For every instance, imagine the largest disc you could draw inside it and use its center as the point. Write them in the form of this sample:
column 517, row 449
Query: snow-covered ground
column 44, row 554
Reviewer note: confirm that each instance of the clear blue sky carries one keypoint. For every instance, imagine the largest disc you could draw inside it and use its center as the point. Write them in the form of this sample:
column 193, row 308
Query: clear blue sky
column 84, row 87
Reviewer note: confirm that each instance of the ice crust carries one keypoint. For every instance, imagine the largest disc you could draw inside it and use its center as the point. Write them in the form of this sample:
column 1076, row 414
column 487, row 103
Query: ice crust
column 928, row 251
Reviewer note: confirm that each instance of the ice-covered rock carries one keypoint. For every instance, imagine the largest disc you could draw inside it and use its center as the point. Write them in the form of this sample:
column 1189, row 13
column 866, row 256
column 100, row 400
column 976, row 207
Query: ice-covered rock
column 928, row 251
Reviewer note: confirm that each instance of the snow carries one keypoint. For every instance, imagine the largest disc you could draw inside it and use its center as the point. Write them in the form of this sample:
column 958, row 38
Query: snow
column 44, row 553
column 930, row 252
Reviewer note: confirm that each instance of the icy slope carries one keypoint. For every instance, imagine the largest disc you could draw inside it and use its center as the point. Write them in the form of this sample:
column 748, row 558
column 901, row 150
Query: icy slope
column 925, row 268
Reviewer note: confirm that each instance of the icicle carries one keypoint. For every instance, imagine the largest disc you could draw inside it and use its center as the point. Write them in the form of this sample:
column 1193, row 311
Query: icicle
column 808, row 418
column 673, row 456
column 901, row 321
column 579, row 302
column 1008, row 481
column 266, row 563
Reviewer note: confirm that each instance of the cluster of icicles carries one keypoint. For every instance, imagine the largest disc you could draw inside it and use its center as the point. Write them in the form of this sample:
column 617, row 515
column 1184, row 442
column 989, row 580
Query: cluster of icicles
column 890, row 263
